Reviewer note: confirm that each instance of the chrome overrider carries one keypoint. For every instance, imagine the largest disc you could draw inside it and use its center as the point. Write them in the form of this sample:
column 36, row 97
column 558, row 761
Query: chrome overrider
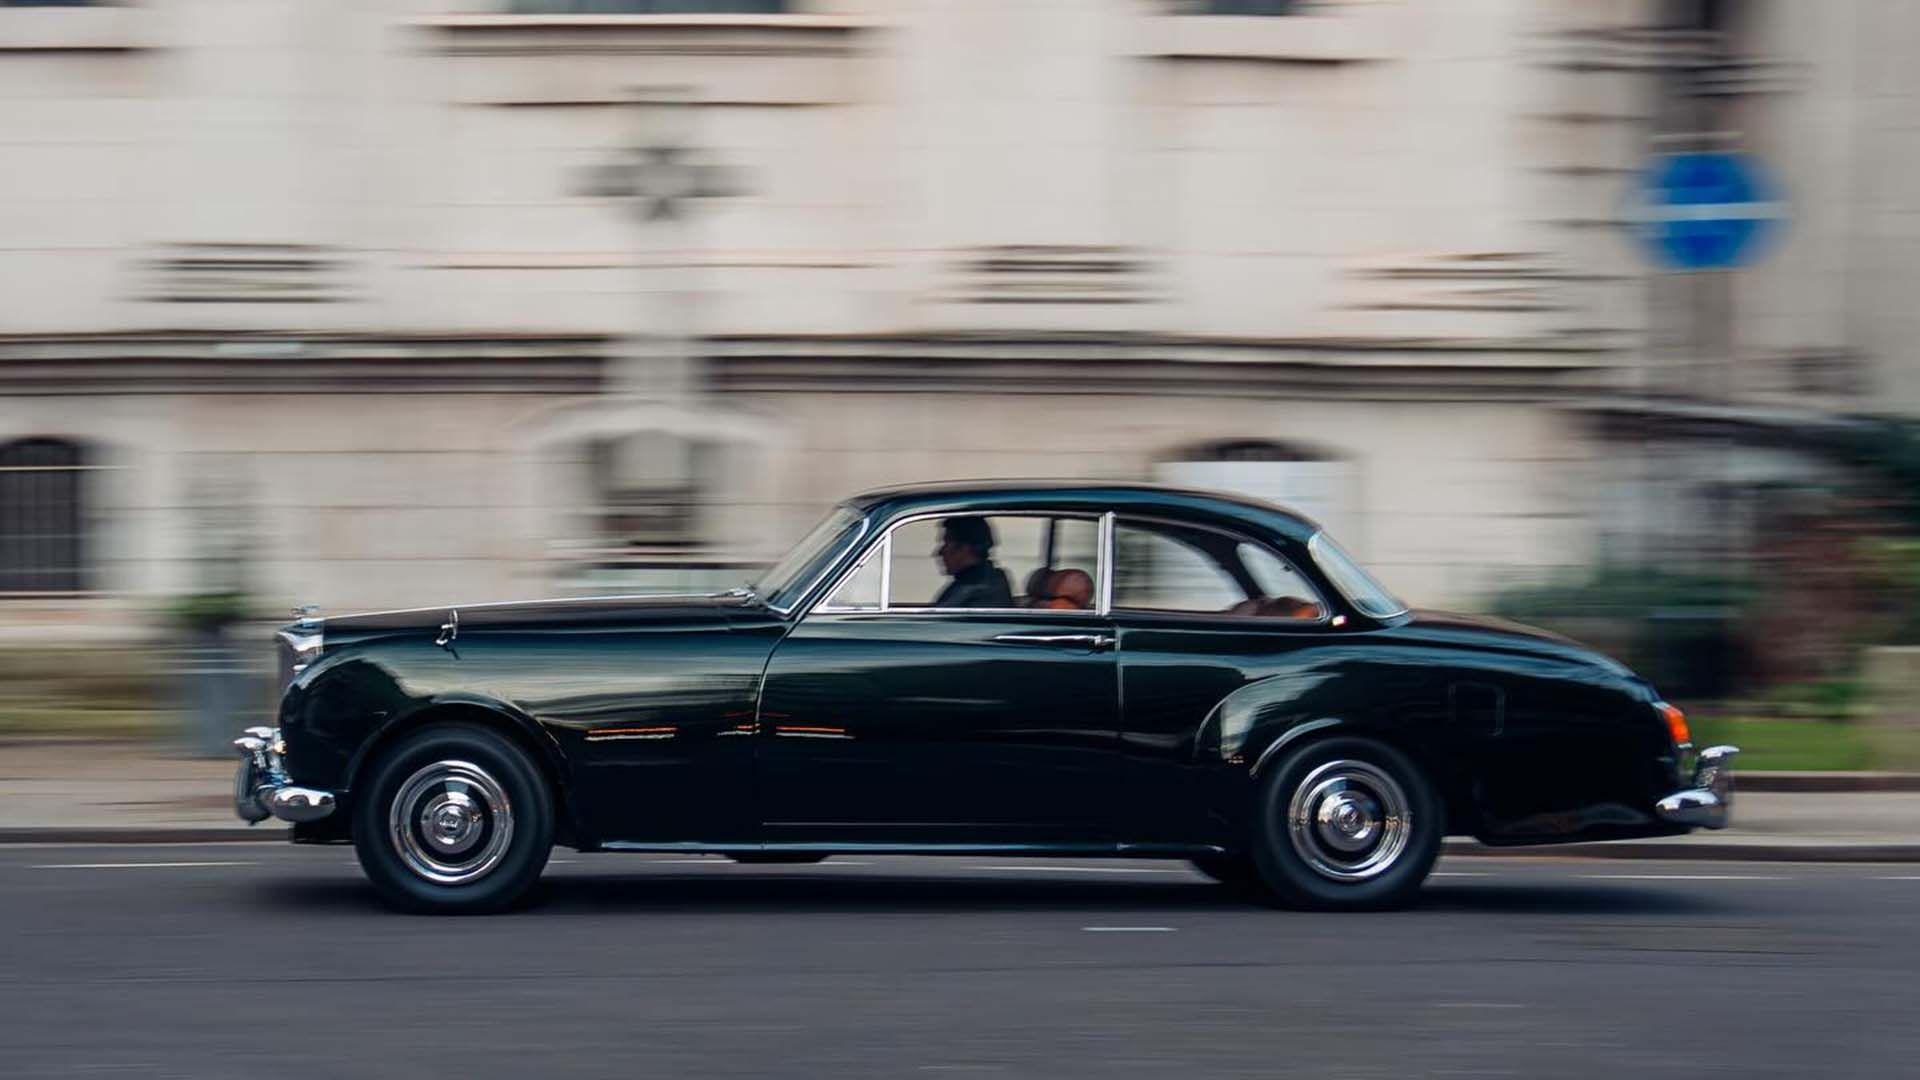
column 261, row 789
column 1709, row 802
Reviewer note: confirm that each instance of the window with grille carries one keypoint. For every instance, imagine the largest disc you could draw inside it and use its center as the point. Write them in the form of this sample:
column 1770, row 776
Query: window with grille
column 42, row 517
column 648, row 7
column 1238, row 7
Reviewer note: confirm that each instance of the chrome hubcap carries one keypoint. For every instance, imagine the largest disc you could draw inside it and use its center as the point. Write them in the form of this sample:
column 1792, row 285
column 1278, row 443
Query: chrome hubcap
column 1349, row 821
column 451, row 822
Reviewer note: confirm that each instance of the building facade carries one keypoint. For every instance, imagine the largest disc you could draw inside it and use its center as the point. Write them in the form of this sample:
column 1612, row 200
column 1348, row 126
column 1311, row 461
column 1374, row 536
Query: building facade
column 390, row 302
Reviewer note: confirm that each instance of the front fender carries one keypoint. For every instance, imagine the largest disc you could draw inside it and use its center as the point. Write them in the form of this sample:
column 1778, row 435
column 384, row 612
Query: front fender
column 342, row 709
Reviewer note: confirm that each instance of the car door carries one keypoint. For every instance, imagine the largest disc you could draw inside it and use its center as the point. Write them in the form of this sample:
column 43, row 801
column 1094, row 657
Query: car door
column 887, row 720
column 1201, row 612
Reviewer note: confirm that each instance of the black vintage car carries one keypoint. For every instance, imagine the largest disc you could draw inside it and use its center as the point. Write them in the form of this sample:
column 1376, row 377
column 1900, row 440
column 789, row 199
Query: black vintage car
column 1066, row 668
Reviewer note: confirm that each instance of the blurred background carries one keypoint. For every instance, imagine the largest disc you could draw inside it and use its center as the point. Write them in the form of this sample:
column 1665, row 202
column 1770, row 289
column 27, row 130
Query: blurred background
column 1593, row 313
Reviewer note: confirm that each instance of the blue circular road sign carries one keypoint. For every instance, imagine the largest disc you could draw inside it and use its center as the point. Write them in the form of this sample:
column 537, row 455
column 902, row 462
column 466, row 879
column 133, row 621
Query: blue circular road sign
column 1705, row 211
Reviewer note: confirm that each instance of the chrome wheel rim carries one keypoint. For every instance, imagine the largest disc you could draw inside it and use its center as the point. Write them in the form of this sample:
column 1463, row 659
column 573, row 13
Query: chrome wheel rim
column 1349, row 821
column 451, row 822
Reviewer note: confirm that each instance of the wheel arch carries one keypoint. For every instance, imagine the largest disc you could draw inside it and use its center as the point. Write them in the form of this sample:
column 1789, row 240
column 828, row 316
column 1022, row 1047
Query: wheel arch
column 503, row 719
column 1452, row 786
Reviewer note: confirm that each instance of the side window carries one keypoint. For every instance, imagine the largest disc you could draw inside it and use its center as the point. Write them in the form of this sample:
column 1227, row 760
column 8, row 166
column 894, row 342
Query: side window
column 1283, row 592
column 861, row 589
column 1174, row 568
column 1154, row 571
column 978, row 561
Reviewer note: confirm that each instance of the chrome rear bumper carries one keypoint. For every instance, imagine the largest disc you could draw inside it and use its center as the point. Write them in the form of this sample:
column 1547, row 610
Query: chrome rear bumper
column 261, row 789
column 1709, row 802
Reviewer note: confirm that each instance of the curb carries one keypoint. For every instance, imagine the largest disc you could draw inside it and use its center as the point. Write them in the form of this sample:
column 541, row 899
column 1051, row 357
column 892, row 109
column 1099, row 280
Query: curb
column 125, row 834
column 1826, row 781
column 1706, row 851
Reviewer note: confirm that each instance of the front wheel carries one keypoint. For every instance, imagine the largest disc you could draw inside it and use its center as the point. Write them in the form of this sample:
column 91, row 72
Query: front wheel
column 1345, row 824
column 453, row 819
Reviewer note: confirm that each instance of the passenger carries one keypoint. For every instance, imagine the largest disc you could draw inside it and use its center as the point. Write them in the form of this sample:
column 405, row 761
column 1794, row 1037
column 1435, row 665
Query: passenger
column 1037, row 592
column 1069, row 590
column 966, row 554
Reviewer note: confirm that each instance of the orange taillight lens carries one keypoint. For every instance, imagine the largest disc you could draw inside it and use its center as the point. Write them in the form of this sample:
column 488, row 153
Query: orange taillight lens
column 1676, row 723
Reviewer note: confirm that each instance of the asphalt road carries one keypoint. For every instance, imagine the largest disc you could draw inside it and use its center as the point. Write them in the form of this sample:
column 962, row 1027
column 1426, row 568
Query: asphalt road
column 252, row 960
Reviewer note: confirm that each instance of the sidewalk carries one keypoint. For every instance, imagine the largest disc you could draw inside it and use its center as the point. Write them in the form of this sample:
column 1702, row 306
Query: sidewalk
column 117, row 792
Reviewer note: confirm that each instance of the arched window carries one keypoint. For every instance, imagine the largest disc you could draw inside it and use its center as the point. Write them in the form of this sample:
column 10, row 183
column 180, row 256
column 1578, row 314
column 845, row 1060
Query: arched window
column 1302, row 478
column 42, row 516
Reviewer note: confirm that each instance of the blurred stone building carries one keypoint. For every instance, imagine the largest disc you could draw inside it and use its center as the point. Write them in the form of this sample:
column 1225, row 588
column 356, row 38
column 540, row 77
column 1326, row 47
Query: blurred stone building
column 384, row 302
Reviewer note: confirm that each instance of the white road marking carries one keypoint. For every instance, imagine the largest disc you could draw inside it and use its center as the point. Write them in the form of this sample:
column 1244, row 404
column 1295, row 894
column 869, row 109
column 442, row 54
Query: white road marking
column 128, row 865
column 1459, row 873
column 1128, row 929
column 1900, row 877
column 1090, row 869
column 1682, row 877
column 1477, row 1005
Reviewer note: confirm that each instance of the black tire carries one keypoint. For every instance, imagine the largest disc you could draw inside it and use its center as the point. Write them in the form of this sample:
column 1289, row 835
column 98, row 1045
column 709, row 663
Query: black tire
column 776, row 858
column 1233, row 871
column 1352, row 781
column 477, row 788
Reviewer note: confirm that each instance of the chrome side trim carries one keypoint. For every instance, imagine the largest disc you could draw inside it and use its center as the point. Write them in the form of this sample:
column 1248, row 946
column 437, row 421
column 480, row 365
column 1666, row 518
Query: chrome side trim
column 1092, row 642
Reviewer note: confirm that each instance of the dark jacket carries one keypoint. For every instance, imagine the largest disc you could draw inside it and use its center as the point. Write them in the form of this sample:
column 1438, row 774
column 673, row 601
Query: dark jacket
column 982, row 585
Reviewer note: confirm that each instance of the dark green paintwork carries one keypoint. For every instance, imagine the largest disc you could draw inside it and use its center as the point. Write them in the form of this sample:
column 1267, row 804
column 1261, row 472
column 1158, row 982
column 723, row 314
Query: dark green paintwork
column 715, row 722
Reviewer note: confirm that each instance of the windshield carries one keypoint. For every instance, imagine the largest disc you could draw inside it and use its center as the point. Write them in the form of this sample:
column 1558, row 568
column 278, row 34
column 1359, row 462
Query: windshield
column 1361, row 590
column 781, row 586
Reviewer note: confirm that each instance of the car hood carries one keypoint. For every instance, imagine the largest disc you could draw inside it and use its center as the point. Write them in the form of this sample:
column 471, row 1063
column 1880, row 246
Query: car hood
column 1487, row 632
column 688, row 608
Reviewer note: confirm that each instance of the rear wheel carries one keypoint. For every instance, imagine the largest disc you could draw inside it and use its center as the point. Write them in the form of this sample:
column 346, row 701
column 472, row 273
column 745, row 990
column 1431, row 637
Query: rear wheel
column 1345, row 824
column 454, row 818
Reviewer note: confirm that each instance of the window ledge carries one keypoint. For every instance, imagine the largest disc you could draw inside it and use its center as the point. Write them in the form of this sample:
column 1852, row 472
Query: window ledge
column 741, row 33
column 76, row 29
column 1340, row 37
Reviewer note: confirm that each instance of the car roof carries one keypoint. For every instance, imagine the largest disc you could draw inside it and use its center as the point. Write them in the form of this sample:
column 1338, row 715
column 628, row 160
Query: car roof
column 962, row 496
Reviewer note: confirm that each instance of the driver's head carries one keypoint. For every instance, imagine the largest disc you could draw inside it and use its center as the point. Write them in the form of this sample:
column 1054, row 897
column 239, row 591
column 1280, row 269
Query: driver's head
column 964, row 542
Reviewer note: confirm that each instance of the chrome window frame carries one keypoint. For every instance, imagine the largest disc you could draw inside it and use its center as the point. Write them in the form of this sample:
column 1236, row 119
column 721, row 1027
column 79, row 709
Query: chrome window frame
column 1368, row 574
column 1103, row 573
column 1327, row 615
column 806, row 594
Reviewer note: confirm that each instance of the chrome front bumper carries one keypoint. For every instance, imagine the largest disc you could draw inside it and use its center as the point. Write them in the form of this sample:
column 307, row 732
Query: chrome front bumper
column 261, row 789
column 1709, row 802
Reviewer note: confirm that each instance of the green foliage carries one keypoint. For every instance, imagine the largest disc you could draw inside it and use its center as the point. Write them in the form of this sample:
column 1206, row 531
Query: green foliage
column 85, row 691
column 1768, row 744
column 208, row 612
column 1616, row 590
column 1885, row 451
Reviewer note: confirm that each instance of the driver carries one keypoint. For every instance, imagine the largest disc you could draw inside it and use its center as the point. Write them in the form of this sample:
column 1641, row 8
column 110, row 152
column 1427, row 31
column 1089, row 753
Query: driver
column 966, row 554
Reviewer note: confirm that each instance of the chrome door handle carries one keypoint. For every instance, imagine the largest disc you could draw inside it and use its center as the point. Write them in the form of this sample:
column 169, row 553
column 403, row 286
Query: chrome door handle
column 1094, row 642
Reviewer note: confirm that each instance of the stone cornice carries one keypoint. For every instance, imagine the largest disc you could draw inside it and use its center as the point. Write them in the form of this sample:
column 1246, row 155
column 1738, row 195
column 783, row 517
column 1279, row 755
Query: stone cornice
column 136, row 362
column 163, row 361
